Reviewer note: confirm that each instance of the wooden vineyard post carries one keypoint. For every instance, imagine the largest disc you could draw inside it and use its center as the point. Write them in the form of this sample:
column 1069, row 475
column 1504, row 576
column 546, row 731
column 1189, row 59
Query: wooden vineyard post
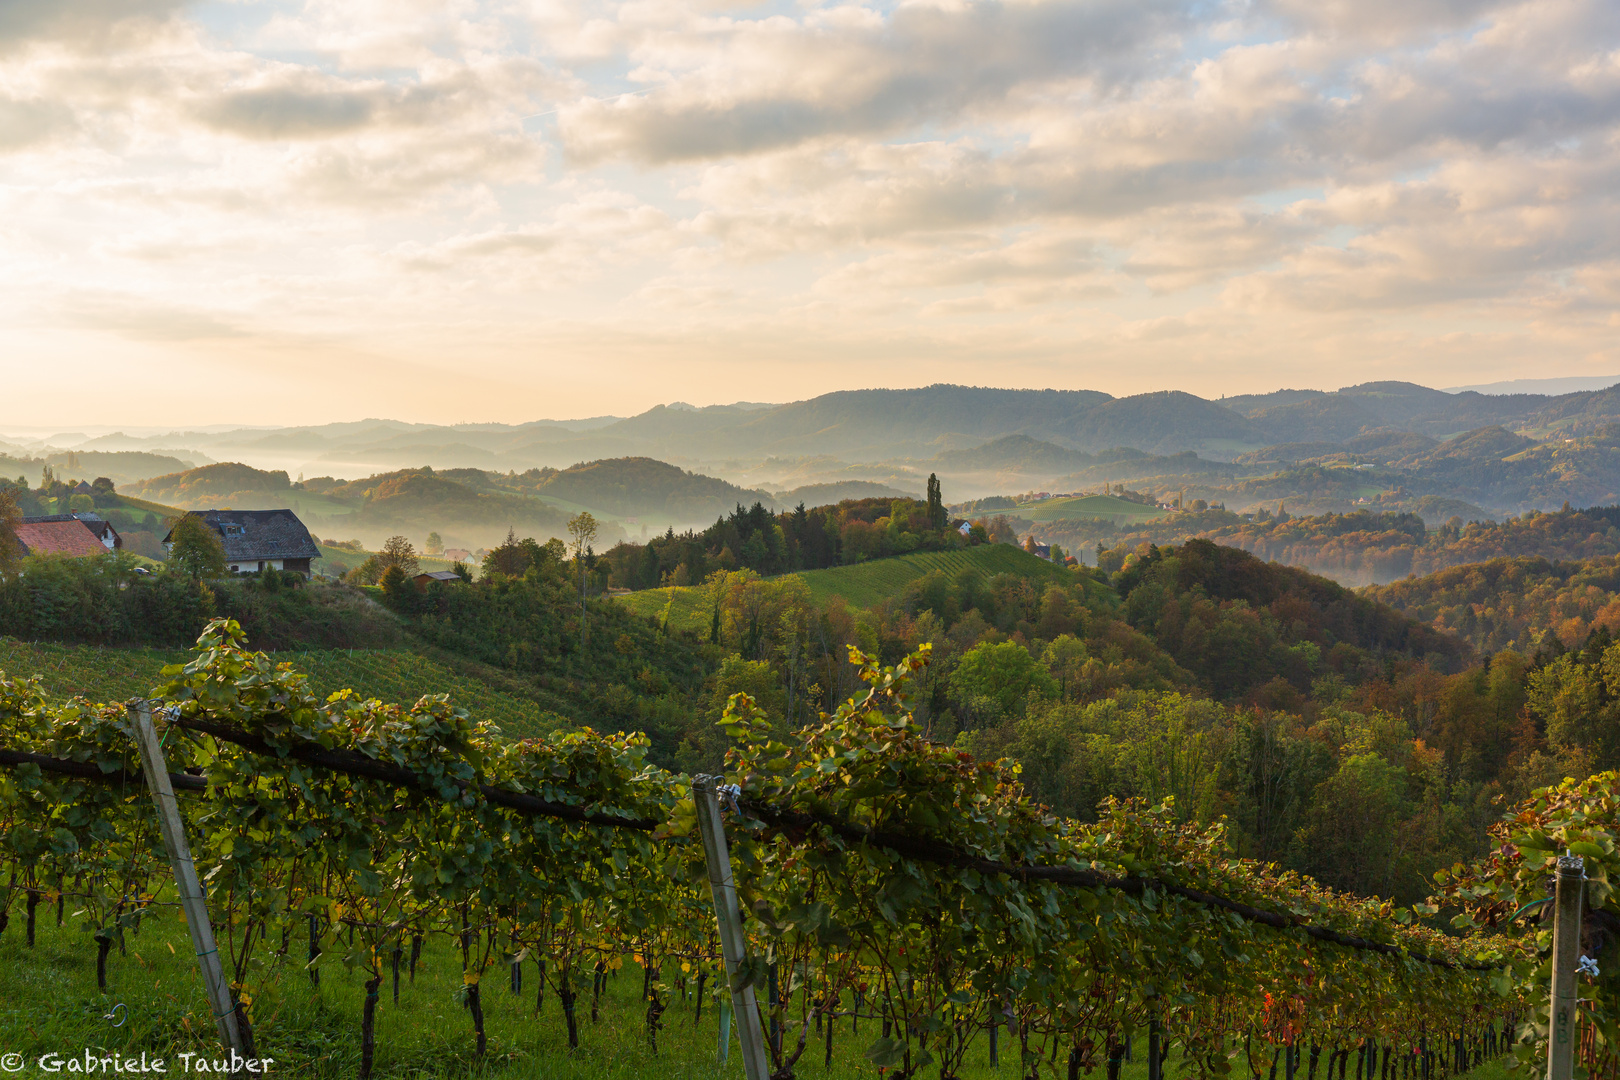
column 733, row 945
column 185, row 878
column 1566, row 948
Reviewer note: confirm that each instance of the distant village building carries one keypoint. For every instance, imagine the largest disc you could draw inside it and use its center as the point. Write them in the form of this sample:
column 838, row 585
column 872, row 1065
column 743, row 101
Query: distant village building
column 1043, row 551
column 424, row 580
column 64, row 534
column 457, row 554
column 257, row 540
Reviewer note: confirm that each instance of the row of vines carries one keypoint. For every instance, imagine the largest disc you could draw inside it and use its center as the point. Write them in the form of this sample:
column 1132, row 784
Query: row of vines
column 572, row 854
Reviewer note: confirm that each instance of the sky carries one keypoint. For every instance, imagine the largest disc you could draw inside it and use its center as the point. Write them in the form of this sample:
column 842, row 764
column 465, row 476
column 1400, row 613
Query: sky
column 445, row 210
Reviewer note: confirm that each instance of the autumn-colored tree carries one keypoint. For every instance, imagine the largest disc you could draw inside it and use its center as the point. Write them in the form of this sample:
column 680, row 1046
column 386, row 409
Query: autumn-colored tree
column 398, row 551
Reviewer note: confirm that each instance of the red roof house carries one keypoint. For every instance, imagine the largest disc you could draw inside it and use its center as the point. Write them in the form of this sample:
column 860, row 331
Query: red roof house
column 71, row 537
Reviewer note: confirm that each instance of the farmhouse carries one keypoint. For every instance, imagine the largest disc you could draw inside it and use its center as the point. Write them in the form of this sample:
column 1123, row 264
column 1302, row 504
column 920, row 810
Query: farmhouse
column 102, row 530
column 62, row 534
column 256, row 540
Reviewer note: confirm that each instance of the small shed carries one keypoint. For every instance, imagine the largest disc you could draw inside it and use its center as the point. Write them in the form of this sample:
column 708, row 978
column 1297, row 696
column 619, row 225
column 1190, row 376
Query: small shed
column 424, row 580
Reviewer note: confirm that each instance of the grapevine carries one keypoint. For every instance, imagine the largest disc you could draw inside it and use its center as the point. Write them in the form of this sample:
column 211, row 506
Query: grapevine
column 888, row 881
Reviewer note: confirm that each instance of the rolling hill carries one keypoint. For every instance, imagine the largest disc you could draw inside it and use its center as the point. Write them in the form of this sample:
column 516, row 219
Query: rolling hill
column 1090, row 506
column 862, row 585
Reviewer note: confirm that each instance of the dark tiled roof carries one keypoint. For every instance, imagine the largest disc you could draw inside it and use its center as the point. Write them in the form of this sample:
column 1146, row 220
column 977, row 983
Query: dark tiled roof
column 439, row 575
column 70, row 537
column 260, row 534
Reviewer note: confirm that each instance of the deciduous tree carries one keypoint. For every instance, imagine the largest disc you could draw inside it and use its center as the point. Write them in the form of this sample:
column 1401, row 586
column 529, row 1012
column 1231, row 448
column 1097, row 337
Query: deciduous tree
column 398, row 551
column 196, row 548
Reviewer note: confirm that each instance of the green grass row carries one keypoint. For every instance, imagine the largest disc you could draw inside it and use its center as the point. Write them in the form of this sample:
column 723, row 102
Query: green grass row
column 49, row 1004
column 862, row 585
column 1089, row 506
column 396, row 675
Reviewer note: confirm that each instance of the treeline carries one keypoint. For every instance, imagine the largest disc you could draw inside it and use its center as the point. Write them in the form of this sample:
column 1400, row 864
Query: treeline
column 1367, row 547
column 110, row 601
column 755, row 539
column 589, row 660
column 1525, row 604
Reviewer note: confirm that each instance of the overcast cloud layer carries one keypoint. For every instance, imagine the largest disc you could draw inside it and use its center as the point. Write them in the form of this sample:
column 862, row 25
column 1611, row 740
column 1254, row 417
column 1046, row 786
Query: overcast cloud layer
column 452, row 210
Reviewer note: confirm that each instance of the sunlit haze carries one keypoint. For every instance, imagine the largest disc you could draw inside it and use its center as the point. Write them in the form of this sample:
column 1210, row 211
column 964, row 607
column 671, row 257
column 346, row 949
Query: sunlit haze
column 295, row 213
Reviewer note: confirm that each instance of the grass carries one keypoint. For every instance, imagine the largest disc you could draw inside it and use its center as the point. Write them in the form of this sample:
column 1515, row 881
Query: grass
column 399, row 675
column 870, row 583
column 1089, row 506
column 862, row 585
column 49, row 1003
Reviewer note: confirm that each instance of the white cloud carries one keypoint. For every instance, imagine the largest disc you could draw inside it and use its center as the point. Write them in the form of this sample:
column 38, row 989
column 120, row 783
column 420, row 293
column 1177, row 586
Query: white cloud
column 1385, row 187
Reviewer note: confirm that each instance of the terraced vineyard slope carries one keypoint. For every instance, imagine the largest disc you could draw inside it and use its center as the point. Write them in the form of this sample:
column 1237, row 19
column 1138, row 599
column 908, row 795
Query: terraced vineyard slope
column 109, row 674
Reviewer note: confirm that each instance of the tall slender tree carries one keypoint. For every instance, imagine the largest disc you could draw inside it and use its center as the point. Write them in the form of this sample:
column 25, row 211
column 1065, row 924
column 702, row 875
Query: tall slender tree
column 936, row 504
column 582, row 527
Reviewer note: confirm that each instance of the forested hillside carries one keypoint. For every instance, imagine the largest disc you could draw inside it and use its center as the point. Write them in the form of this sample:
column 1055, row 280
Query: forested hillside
column 1527, row 604
column 1365, row 546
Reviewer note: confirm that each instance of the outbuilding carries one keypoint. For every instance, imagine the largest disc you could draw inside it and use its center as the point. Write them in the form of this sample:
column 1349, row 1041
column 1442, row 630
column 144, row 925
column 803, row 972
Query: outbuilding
column 424, row 580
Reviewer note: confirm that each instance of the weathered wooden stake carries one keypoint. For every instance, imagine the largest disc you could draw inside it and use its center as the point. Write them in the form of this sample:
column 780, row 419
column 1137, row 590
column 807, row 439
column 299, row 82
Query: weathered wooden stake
column 733, row 945
column 156, row 771
column 1566, row 950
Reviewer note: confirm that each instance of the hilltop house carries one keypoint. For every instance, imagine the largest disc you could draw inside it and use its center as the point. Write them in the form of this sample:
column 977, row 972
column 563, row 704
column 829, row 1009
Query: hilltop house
column 64, row 534
column 256, row 540
column 102, row 530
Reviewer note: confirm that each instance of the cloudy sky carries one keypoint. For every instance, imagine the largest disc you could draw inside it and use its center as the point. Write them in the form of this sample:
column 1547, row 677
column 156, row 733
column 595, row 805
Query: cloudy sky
column 450, row 210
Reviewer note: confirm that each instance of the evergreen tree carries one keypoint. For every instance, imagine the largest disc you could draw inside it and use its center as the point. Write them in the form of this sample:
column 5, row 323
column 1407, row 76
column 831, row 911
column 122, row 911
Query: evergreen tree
column 937, row 518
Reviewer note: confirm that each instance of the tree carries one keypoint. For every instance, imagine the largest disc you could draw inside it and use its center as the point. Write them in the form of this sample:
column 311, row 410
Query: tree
column 511, row 558
column 393, row 582
column 11, row 548
column 435, row 544
column 398, row 551
column 582, row 527
column 937, row 518
column 196, row 548
column 1004, row 674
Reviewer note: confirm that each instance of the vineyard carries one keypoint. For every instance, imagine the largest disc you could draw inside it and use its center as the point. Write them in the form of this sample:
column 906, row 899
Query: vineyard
column 907, row 908
column 116, row 674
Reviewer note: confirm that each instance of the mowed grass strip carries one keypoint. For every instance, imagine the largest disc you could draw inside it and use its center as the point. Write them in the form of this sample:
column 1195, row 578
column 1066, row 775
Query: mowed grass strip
column 393, row 675
column 862, row 585
column 1089, row 506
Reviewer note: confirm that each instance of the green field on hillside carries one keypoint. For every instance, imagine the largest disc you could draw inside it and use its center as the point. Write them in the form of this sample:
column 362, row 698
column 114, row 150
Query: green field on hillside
column 862, row 585
column 1089, row 506
column 869, row 583
column 395, row 675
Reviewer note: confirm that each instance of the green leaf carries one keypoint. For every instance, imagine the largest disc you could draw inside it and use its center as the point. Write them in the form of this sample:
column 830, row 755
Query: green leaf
column 886, row 1053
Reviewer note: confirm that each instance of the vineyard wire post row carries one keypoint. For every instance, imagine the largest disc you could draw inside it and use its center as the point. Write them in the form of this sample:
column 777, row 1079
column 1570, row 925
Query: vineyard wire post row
column 1571, row 884
column 733, row 942
column 185, row 877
